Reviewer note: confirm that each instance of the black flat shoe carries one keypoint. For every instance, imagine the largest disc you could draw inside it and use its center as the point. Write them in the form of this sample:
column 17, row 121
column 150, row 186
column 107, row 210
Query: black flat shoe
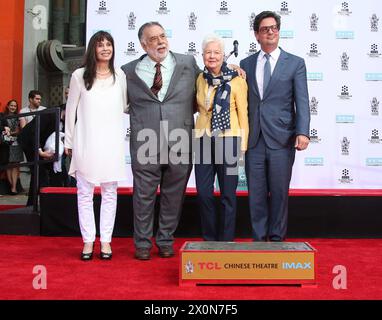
column 86, row 256
column 106, row 256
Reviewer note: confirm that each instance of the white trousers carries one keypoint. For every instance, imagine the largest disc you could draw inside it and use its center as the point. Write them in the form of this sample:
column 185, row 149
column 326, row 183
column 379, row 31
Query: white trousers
column 85, row 191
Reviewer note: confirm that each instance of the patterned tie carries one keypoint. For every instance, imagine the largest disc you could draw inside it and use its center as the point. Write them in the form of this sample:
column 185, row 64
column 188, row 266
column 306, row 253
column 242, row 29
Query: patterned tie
column 157, row 84
column 267, row 73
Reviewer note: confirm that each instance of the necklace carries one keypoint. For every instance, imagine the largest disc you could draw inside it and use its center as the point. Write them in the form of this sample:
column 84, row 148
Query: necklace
column 103, row 73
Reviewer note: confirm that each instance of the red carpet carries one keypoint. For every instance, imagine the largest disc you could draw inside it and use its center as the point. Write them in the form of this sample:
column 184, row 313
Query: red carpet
column 126, row 278
column 4, row 207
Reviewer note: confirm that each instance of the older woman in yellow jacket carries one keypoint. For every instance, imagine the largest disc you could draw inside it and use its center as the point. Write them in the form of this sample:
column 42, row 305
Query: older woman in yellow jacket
column 221, row 134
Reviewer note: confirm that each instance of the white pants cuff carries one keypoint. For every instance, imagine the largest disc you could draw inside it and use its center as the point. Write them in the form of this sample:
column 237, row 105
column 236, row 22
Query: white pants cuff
column 86, row 217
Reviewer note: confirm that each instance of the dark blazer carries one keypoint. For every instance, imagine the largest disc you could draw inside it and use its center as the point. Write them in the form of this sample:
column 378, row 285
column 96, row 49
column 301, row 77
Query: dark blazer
column 146, row 111
column 284, row 111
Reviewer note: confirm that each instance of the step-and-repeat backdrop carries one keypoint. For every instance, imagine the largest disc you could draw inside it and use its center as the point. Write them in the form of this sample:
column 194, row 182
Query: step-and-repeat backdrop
column 341, row 42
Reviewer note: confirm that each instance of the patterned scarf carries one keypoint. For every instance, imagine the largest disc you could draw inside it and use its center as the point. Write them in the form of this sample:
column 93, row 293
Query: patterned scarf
column 221, row 106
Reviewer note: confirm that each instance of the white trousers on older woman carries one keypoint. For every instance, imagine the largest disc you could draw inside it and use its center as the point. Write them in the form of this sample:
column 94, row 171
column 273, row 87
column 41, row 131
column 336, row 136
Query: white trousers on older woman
column 85, row 191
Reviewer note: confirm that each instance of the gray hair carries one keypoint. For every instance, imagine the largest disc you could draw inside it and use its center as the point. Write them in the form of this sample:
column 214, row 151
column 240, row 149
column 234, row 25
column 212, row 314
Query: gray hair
column 146, row 25
column 212, row 38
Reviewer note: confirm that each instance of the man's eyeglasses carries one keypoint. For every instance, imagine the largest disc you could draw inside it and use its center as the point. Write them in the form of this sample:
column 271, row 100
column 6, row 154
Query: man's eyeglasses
column 266, row 29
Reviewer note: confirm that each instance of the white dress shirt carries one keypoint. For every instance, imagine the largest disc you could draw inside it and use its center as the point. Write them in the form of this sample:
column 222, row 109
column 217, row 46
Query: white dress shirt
column 261, row 60
column 146, row 70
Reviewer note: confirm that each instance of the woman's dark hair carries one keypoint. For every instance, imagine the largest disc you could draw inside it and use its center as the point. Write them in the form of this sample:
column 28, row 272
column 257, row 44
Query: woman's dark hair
column 266, row 14
column 6, row 111
column 90, row 62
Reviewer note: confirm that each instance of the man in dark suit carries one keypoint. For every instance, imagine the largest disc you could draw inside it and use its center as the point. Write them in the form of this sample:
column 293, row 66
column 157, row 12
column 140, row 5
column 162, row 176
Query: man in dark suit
column 278, row 107
column 161, row 94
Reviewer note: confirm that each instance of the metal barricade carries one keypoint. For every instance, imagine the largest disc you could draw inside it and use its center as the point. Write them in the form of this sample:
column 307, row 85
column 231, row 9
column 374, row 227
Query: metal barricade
column 36, row 161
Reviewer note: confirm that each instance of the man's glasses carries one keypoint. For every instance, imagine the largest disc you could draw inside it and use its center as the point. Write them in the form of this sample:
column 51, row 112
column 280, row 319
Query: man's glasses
column 266, row 29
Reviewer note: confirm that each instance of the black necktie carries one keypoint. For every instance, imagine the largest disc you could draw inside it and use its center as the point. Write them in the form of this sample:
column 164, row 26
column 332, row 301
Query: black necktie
column 157, row 84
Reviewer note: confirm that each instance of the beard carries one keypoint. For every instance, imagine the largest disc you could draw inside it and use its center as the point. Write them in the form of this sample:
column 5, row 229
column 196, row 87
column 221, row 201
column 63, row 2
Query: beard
column 156, row 55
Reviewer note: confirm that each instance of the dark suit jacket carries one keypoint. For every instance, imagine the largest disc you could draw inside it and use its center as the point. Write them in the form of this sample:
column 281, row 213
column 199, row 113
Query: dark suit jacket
column 284, row 111
column 177, row 108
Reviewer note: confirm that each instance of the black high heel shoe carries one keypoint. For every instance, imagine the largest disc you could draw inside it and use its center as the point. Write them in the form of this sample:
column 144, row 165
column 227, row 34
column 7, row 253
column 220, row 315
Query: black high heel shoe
column 87, row 256
column 105, row 255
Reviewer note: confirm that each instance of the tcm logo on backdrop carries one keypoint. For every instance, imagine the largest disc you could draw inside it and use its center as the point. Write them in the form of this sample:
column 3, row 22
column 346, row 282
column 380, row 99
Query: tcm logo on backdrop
column 313, row 22
column 131, row 52
column 345, row 146
column 314, row 162
column 373, row 76
column 344, row 9
column 315, row 76
column 344, row 34
column 286, row 34
column 163, row 8
column 252, row 49
column 223, row 10
column 168, row 33
column 375, row 107
column 313, row 105
column 374, row 162
column 314, row 138
column 345, row 118
column 374, row 51
column 131, row 20
column 225, row 34
column 284, row 9
column 374, row 23
column 314, row 53
column 102, row 8
column 251, row 21
column 375, row 137
column 345, row 177
column 345, row 93
column 192, row 21
column 345, row 61
column 192, row 50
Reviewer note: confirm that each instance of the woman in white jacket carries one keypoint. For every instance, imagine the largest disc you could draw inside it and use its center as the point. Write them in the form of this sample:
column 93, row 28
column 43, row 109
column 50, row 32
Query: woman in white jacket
column 94, row 138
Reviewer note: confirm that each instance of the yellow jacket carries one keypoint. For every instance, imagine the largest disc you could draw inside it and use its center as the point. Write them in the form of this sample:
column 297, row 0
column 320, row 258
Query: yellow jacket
column 238, row 110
